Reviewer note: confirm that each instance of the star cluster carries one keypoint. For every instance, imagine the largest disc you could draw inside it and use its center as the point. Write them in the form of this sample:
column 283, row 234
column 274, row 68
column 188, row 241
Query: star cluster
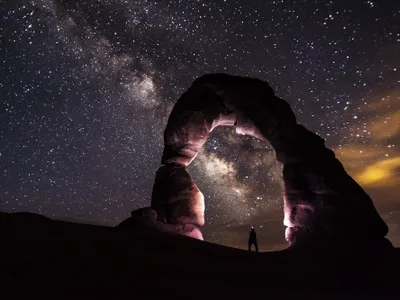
column 86, row 88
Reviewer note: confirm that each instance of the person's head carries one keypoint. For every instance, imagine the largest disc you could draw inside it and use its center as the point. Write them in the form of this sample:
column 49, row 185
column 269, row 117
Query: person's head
column 252, row 228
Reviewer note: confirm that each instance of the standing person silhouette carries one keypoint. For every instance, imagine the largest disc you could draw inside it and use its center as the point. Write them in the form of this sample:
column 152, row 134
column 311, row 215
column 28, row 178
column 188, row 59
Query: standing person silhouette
column 253, row 239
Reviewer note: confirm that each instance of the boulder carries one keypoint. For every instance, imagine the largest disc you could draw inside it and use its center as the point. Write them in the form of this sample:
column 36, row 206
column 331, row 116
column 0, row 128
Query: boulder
column 146, row 218
column 146, row 213
column 141, row 218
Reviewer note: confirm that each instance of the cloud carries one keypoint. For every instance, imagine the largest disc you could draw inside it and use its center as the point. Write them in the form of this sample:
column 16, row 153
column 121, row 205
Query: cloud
column 374, row 159
column 359, row 152
column 380, row 174
column 386, row 126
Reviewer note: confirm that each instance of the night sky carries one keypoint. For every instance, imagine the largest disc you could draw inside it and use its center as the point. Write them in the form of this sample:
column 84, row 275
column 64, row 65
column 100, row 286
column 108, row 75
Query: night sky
column 86, row 88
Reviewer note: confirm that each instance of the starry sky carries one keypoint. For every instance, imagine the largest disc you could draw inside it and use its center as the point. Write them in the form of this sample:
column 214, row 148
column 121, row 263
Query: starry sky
column 86, row 88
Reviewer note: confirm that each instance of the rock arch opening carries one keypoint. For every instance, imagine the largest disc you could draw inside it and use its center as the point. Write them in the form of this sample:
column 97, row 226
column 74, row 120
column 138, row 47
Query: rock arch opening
column 320, row 199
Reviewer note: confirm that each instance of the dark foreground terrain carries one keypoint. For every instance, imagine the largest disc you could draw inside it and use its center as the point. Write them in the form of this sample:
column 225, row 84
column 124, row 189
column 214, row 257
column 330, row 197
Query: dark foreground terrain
column 42, row 258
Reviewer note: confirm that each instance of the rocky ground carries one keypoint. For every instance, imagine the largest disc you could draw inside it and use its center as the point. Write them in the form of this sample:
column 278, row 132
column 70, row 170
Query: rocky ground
column 44, row 258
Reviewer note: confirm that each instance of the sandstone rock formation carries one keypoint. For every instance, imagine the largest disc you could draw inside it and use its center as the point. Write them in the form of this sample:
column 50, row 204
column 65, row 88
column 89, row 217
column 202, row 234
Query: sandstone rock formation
column 146, row 219
column 320, row 199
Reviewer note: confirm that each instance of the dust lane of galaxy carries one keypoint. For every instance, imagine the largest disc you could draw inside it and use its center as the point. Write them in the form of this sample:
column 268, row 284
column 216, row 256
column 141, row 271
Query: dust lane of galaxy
column 87, row 86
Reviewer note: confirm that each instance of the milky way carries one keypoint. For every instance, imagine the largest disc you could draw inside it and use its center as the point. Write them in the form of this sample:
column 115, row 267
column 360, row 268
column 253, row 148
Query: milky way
column 87, row 86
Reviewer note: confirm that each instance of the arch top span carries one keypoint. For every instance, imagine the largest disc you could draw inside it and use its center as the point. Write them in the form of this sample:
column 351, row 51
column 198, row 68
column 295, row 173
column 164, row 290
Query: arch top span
column 320, row 198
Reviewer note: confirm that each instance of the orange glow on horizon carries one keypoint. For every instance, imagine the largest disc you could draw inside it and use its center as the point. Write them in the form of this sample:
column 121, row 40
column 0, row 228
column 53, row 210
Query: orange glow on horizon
column 382, row 173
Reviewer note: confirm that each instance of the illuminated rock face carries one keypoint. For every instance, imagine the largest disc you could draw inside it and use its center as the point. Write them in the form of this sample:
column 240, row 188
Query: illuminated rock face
column 320, row 199
column 176, row 197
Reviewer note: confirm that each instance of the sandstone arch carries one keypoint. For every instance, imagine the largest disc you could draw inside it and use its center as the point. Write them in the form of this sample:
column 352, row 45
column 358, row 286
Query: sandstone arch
column 320, row 199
